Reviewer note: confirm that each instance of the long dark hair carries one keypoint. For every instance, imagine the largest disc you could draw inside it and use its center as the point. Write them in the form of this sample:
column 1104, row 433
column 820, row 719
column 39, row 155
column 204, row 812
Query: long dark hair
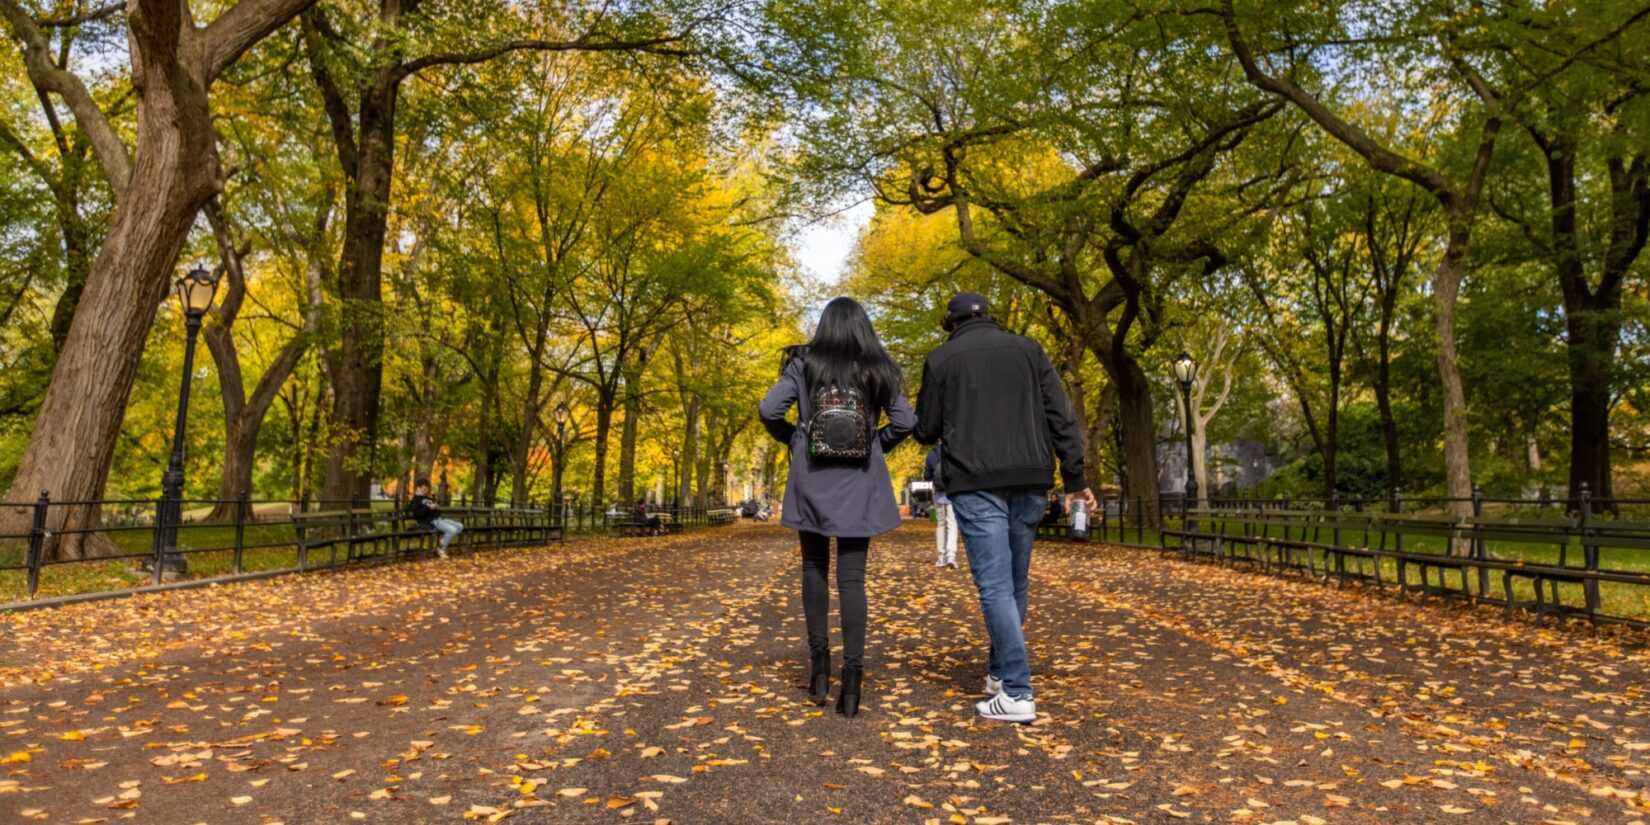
column 845, row 351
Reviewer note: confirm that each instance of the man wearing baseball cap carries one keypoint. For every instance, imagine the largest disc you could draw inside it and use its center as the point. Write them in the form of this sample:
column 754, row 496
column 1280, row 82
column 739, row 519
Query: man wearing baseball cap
column 995, row 401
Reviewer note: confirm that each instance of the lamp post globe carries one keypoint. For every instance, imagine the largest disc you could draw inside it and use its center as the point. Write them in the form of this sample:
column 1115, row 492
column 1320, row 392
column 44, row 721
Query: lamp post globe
column 196, row 290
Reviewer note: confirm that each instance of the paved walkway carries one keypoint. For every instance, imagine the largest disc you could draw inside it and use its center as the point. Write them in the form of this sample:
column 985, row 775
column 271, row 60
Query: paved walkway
column 661, row 680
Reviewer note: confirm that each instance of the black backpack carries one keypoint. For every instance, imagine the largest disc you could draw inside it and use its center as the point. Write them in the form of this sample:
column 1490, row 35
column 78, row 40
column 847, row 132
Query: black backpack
column 841, row 425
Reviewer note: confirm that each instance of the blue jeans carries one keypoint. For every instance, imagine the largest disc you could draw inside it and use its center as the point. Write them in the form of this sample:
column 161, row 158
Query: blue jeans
column 447, row 528
column 997, row 528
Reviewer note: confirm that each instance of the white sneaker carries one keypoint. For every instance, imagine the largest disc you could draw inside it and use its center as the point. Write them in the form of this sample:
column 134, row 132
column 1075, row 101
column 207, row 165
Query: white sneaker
column 1005, row 708
column 441, row 552
column 951, row 564
column 993, row 685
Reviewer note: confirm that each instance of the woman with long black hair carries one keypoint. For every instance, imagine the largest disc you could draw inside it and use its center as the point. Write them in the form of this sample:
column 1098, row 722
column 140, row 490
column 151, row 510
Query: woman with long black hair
column 842, row 383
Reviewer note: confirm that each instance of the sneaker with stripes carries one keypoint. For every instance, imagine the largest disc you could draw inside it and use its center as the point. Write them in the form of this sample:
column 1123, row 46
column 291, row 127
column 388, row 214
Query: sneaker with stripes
column 1005, row 708
column 993, row 685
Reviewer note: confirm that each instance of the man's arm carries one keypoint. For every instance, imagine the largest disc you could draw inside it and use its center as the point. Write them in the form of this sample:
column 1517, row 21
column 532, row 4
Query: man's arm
column 1061, row 423
column 930, row 409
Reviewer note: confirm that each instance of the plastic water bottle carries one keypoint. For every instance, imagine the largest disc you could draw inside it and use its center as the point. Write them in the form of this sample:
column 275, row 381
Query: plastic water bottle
column 1079, row 521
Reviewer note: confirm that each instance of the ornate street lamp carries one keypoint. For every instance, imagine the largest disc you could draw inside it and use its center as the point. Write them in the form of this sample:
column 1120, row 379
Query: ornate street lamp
column 1185, row 372
column 561, row 414
column 195, row 292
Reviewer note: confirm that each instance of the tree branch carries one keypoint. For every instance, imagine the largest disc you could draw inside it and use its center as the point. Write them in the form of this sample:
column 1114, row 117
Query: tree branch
column 1356, row 139
column 332, row 100
column 46, row 75
column 666, row 45
column 241, row 27
column 82, row 18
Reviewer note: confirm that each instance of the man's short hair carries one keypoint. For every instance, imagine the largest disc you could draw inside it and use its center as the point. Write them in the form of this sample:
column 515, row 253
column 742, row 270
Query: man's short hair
column 423, row 482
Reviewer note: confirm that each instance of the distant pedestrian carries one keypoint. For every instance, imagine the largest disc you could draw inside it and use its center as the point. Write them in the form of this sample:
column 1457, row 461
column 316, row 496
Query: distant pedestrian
column 995, row 401
column 427, row 511
column 842, row 382
column 945, row 521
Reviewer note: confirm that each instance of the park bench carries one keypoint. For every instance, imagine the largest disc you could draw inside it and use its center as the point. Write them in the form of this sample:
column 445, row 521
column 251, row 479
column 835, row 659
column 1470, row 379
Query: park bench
column 719, row 516
column 1288, row 539
column 1555, row 532
column 361, row 535
column 1324, row 543
column 1401, row 532
column 1199, row 525
column 1242, row 533
column 627, row 526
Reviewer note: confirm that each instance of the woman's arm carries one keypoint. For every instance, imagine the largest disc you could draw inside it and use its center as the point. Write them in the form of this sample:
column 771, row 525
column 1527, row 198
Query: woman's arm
column 900, row 421
column 777, row 405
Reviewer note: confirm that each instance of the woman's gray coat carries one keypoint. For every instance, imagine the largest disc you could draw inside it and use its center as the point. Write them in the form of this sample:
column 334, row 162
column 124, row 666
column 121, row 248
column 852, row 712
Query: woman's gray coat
column 834, row 498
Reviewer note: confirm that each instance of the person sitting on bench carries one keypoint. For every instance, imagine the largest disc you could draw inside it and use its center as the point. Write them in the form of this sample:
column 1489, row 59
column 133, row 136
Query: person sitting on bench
column 652, row 523
column 427, row 513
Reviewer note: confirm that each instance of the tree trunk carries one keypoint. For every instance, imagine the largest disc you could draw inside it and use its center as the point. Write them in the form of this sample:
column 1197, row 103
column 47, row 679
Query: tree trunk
column 690, row 452
column 357, row 386
column 627, row 445
column 174, row 173
column 702, row 496
column 1446, row 288
column 604, row 429
column 1099, row 425
column 530, row 407
column 1135, row 418
column 1591, row 341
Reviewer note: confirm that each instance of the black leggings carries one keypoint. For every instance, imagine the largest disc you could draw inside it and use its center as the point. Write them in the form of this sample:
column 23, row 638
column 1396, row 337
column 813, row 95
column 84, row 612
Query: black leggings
column 850, row 588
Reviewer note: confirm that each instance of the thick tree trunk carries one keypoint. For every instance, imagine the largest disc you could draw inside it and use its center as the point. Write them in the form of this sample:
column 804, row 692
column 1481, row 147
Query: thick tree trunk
column 357, row 386
column 174, row 173
column 690, row 453
column 1592, row 315
column 604, row 429
column 705, row 464
column 524, row 440
column 1592, row 344
column 1099, row 425
column 1446, row 288
column 627, row 445
column 1135, row 417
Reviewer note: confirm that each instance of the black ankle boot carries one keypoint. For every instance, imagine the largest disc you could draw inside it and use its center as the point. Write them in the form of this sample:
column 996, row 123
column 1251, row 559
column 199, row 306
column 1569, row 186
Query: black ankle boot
column 819, row 679
column 847, row 702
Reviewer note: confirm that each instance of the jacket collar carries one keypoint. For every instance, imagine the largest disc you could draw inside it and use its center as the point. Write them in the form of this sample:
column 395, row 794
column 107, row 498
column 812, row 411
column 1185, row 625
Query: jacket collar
column 972, row 325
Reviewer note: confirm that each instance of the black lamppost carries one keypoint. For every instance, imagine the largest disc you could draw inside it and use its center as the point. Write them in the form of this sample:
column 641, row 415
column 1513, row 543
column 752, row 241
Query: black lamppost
column 195, row 291
column 675, row 480
column 1185, row 372
column 561, row 414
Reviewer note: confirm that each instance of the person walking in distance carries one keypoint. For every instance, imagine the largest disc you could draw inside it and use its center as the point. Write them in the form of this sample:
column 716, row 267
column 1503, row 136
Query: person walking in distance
column 945, row 521
column 995, row 401
column 842, row 383
column 427, row 512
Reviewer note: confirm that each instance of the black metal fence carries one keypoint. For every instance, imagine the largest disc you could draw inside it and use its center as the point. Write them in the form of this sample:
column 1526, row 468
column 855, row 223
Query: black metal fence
column 83, row 548
column 1566, row 557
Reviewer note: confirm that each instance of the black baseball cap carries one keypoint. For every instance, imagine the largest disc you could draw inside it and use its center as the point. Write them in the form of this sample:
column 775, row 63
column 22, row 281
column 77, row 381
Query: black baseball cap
column 966, row 305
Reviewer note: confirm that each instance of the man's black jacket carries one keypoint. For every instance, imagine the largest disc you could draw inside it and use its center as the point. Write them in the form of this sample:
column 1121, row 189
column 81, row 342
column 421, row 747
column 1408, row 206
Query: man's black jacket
column 423, row 509
column 995, row 400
